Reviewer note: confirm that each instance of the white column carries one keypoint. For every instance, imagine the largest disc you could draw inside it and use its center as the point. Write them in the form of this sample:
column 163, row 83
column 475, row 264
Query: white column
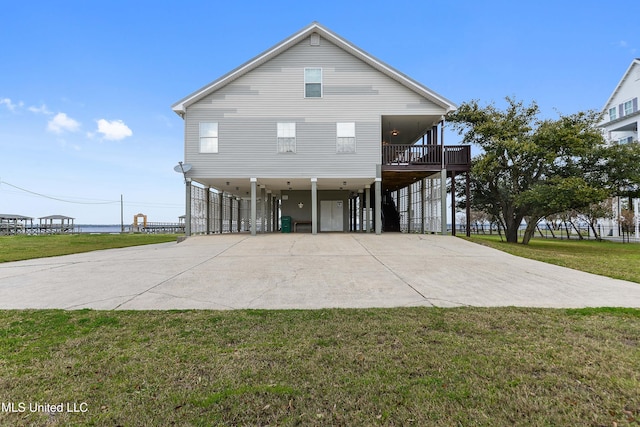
column 254, row 190
column 263, row 207
column 361, row 210
column 314, row 205
column 221, row 196
column 367, row 220
column 269, row 211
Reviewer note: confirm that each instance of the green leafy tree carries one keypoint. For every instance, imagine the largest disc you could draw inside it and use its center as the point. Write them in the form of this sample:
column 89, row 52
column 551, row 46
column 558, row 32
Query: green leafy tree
column 622, row 172
column 531, row 168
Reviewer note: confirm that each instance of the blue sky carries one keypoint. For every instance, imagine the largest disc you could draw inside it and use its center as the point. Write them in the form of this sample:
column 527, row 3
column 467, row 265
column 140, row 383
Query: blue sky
column 86, row 86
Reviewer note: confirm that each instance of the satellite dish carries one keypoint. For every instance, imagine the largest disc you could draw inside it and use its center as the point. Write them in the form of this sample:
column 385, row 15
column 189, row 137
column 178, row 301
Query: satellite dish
column 182, row 167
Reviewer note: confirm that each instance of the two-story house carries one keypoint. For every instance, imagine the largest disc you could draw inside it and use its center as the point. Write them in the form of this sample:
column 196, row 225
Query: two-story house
column 321, row 133
column 620, row 125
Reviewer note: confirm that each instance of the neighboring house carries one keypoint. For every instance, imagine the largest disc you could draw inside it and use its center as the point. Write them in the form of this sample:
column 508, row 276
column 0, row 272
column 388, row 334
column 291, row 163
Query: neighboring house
column 319, row 131
column 620, row 124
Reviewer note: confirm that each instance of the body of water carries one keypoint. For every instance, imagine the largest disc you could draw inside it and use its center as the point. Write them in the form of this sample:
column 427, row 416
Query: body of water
column 100, row 228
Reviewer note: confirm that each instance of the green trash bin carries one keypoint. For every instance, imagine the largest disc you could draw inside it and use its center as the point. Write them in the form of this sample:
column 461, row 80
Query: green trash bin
column 285, row 224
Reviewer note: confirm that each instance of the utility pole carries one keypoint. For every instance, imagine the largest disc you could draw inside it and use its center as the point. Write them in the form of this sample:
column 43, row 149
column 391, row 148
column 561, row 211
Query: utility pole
column 121, row 215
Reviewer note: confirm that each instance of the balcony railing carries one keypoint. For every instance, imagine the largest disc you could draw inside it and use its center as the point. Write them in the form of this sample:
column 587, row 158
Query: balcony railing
column 427, row 155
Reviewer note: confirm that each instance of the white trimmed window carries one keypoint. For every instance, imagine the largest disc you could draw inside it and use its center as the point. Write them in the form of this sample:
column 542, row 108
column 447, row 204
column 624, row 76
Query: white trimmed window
column 612, row 113
column 626, row 140
column 313, row 82
column 346, row 137
column 628, row 107
column 286, row 137
column 208, row 137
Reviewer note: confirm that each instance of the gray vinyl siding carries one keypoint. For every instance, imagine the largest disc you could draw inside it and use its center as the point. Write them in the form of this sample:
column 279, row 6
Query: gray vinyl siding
column 248, row 109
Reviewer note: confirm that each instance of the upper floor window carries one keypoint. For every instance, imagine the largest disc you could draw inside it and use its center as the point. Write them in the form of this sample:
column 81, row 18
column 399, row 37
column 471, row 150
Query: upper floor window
column 286, row 137
column 208, row 137
column 628, row 108
column 346, row 137
column 313, row 82
column 612, row 113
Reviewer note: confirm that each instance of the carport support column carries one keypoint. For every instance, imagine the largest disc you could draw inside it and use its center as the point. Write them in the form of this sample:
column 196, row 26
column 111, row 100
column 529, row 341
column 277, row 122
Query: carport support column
column 239, row 215
column 230, row 213
column 361, row 210
column 187, row 213
column 207, row 200
column 269, row 211
column 274, row 215
column 221, row 211
column 367, row 221
column 254, row 190
column 263, row 208
column 443, row 202
column 314, row 205
column 378, row 216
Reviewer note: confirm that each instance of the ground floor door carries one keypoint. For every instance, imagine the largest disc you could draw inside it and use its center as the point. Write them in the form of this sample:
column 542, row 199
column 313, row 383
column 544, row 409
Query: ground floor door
column 331, row 212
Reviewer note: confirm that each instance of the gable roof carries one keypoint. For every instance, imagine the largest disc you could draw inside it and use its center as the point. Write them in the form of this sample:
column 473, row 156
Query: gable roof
column 624, row 77
column 180, row 106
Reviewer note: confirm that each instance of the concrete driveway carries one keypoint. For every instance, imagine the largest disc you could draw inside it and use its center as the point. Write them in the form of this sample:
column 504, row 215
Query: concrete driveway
column 282, row 271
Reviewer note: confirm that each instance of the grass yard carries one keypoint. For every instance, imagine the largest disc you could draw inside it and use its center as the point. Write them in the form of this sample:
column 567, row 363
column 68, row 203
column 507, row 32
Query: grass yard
column 612, row 259
column 410, row 366
column 405, row 366
column 16, row 248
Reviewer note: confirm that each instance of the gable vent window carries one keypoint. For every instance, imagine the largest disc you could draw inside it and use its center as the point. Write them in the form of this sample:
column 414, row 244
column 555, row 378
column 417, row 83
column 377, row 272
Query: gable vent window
column 286, row 137
column 208, row 137
column 346, row 141
column 315, row 39
column 313, row 82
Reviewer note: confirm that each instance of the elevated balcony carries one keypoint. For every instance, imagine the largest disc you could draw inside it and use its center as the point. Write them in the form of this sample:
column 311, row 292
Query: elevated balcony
column 405, row 164
column 423, row 156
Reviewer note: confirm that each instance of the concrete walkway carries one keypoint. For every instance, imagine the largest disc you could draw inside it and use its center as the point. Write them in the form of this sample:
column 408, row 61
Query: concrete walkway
column 237, row 271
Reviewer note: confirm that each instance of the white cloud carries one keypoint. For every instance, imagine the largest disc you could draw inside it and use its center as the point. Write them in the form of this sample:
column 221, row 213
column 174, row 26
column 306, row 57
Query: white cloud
column 61, row 123
column 40, row 110
column 10, row 105
column 625, row 45
column 114, row 130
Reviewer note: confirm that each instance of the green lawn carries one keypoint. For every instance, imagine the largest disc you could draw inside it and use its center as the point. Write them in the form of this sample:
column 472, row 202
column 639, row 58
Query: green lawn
column 612, row 259
column 406, row 366
column 16, row 248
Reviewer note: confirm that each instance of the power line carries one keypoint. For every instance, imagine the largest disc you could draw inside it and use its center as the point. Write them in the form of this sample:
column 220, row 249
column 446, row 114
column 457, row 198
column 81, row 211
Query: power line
column 104, row 202
column 96, row 201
